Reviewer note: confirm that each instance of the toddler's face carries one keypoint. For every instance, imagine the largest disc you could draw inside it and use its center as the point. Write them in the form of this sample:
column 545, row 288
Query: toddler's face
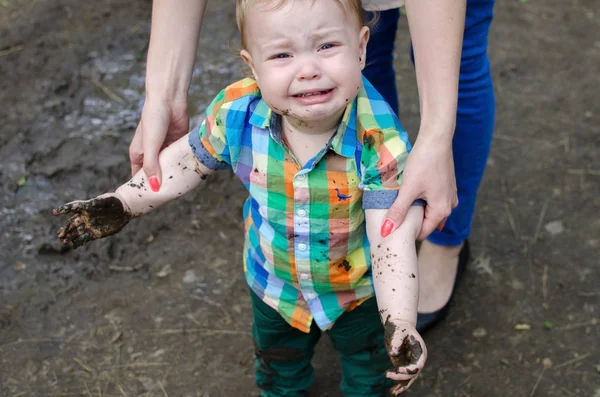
column 307, row 57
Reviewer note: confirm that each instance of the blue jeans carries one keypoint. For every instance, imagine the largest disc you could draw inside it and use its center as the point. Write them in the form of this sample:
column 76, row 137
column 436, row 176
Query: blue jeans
column 476, row 106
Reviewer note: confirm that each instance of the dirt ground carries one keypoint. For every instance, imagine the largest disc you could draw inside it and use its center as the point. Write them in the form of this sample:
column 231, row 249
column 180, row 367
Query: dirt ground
column 162, row 308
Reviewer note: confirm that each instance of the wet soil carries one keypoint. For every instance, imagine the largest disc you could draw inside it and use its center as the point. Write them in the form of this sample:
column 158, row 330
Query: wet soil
column 161, row 309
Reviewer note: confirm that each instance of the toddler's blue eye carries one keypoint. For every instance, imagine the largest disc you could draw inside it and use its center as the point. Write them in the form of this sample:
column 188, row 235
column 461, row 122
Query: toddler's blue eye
column 281, row 56
column 326, row 46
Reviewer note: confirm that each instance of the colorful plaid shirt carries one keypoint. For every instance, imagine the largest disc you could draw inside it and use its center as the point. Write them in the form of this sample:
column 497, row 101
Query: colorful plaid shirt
column 306, row 252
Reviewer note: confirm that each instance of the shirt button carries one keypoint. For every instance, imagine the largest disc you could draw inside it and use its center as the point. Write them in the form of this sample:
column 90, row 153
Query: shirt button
column 302, row 247
column 311, row 295
column 304, row 276
column 301, row 213
column 301, row 177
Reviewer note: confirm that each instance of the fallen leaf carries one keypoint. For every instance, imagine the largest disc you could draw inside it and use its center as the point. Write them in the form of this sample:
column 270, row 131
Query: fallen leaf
column 165, row 271
column 189, row 277
column 554, row 227
column 479, row 332
column 483, row 265
column 522, row 327
column 116, row 337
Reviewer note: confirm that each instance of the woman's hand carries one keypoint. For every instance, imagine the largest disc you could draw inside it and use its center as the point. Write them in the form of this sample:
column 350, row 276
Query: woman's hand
column 171, row 54
column 162, row 123
column 436, row 32
column 428, row 175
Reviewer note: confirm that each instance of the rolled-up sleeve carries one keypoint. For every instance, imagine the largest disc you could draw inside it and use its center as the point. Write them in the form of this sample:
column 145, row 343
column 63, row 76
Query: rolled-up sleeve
column 384, row 153
column 209, row 140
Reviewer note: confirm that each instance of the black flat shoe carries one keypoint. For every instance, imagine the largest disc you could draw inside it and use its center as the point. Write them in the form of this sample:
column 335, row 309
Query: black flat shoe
column 426, row 321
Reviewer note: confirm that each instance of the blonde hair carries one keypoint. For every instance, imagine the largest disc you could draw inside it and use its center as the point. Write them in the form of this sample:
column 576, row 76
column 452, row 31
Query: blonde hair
column 353, row 7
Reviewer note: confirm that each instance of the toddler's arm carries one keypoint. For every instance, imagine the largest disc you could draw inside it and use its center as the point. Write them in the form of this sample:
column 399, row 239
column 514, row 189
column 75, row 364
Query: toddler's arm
column 395, row 276
column 107, row 214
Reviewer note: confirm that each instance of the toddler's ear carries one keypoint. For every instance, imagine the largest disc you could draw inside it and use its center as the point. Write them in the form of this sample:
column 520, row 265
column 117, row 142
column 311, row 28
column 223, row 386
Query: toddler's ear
column 247, row 58
column 363, row 39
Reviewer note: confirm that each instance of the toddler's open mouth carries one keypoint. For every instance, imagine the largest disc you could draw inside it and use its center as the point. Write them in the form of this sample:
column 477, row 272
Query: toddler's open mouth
column 313, row 93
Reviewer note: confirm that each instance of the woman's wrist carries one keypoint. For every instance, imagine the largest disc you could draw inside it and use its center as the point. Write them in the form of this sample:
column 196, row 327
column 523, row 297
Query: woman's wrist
column 172, row 50
column 169, row 83
column 437, row 130
column 167, row 97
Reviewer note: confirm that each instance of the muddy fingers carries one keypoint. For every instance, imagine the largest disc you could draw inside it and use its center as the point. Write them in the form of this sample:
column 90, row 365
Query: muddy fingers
column 82, row 239
column 73, row 206
column 72, row 224
column 402, row 386
column 94, row 219
column 407, row 352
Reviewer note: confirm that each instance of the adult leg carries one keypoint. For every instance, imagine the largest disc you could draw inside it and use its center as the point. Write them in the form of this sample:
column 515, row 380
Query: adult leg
column 358, row 337
column 379, row 69
column 438, row 256
column 283, row 353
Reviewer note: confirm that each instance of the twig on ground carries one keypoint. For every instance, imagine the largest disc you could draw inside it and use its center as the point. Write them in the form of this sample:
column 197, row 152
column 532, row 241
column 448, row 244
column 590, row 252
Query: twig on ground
column 573, row 361
column 9, row 51
column 85, row 367
column 545, row 283
column 122, row 391
column 191, row 317
column 109, row 93
column 570, row 393
column 106, row 385
column 163, row 389
column 118, row 362
column 213, row 303
column 511, row 220
column 538, row 227
column 569, row 327
column 580, row 171
column 116, row 337
column 588, row 294
column 508, row 138
column 527, row 250
column 537, row 382
column 115, row 268
column 23, row 341
column 136, row 365
column 177, row 357
column 206, row 331
column 87, row 389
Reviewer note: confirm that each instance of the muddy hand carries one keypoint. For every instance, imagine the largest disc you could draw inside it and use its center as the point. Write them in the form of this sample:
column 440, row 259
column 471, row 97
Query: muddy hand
column 407, row 352
column 92, row 219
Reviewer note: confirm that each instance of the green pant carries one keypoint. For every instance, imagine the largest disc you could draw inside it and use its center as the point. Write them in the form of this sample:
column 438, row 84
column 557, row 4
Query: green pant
column 283, row 353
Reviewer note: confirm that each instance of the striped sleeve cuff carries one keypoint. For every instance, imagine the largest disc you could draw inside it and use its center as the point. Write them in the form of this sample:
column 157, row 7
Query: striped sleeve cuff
column 202, row 154
column 383, row 199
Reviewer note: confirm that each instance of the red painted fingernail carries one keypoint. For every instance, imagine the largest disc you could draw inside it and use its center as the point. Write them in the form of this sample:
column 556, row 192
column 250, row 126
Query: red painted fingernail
column 154, row 184
column 386, row 228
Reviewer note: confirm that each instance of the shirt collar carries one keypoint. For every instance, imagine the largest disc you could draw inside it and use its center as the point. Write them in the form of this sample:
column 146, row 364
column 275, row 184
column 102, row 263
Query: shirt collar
column 261, row 115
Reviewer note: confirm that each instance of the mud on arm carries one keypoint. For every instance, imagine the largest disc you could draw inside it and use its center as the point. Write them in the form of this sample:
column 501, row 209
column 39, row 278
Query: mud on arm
column 107, row 214
column 395, row 277
column 181, row 172
column 394, row 264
